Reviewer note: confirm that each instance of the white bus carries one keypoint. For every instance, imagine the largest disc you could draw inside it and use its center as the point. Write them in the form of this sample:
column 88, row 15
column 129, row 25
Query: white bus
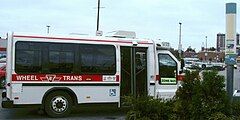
column 59, row 72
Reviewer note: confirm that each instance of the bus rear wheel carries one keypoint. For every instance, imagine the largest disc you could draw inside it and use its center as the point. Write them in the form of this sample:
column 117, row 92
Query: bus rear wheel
column 58, row 104
column 204, row 66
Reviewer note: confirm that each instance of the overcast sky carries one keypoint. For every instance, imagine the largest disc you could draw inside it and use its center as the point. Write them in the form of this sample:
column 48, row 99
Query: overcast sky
column 154, row 19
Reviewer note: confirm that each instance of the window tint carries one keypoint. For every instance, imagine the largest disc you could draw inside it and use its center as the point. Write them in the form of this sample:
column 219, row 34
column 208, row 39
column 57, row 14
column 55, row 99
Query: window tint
column 188, row 62
column 28, row 58
column 140, row 61
column 61, row 59
column 36, row 57
column 167, row 69
column 97, row 59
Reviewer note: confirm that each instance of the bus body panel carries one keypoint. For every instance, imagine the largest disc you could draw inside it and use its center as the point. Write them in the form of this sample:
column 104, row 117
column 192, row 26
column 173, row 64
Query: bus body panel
column 151, row 71
column 29, row 92
column 9, row 67
column 85, row 94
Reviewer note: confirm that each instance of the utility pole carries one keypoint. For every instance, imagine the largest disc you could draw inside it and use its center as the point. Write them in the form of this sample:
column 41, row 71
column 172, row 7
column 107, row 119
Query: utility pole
column 206, row 43
column 98, row 32
column 206, row 53
column 180, row 41
column 98, row 11
column 48, row 26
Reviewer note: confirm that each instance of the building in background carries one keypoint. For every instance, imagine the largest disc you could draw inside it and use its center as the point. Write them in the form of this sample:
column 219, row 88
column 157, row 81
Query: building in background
column 221, row 42
column 3, row 46
column 190, row 53
column 211, row 56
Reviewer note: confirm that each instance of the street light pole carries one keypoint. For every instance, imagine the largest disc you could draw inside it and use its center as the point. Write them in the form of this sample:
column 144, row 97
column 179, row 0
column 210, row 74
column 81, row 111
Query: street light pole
column 98, row 11
column 180, row 43
column 98, row 32
column 206, row 49
column 206, row 42
column 48, row 26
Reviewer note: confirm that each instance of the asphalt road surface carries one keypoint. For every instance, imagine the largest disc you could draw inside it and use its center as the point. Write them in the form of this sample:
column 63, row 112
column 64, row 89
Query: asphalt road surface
column 99, row 112
column 236, row 83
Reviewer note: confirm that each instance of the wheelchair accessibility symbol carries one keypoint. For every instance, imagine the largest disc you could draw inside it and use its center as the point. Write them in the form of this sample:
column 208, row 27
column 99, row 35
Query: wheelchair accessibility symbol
column 112, row 92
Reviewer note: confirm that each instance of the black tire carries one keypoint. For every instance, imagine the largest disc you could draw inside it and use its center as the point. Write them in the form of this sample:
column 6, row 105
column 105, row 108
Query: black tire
column 2, row 82
column 58, row 104
column 203, row 66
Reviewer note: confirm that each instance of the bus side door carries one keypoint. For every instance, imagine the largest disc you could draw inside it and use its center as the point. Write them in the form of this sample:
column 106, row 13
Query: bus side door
column 166, row 84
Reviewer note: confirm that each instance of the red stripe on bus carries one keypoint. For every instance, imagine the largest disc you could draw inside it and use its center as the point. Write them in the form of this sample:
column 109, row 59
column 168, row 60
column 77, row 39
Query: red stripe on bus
column 94, row 40
column 3, row 49
column 117, row 78
column 180, row 77
column 157, row 77
column 56, row 78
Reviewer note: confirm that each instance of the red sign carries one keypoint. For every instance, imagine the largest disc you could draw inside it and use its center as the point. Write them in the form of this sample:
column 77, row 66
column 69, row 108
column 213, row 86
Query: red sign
column 56, row 78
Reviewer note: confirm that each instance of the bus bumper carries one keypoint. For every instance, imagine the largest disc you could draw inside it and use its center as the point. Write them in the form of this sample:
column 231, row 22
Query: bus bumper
column 6, row 102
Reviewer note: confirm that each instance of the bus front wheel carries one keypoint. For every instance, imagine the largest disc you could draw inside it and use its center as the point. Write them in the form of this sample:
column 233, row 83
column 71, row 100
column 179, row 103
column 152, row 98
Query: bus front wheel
column 58, row 104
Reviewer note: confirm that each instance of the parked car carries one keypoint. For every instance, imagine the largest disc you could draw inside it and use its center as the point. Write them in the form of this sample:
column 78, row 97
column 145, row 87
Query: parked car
column 235, row 66
column 190, row 63
column 2, row 62
column 2, row 76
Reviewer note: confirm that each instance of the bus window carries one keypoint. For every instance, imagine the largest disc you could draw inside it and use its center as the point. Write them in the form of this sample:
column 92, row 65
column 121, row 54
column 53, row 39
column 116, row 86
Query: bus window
column 167, row 69
column 61, row 58
column 28, row 57
column 98, row 59
column 52, row 58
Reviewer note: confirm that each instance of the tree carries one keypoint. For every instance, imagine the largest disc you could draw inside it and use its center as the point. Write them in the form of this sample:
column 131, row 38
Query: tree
column 210, row 59
column 212, row 49
column 189, row 49
column 175, row 53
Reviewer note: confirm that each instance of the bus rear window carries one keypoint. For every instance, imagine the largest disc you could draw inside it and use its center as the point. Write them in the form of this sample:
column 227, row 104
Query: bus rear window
column 27, row 58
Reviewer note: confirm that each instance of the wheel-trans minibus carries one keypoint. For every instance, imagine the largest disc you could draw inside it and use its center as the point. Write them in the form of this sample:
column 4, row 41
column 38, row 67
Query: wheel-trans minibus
column 59, row 72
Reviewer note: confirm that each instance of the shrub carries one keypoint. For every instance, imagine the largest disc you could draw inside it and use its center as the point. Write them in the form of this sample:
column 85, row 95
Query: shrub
column 236, row 108
column 183, row 105
column 200, row 99
column 219, row 116
column 197, row 98
column 214, row 95
column 148, row 108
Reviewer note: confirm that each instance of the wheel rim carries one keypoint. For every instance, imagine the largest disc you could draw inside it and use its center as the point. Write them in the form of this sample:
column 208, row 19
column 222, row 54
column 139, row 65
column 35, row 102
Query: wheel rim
column 59, row 104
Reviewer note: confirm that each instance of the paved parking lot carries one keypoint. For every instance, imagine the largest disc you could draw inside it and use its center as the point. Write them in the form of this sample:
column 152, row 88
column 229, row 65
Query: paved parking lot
column 236, row 83
column 81, row 112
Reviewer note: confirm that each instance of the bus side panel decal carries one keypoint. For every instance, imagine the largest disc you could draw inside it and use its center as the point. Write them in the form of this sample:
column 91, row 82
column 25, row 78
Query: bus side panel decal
column 63, row 78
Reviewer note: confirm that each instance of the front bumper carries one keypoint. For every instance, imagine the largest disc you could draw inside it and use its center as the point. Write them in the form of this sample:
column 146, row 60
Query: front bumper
column 6, row 102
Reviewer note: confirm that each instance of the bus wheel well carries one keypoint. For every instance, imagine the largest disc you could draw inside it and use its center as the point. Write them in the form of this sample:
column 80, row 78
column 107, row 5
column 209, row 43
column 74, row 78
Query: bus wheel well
column 64, row 89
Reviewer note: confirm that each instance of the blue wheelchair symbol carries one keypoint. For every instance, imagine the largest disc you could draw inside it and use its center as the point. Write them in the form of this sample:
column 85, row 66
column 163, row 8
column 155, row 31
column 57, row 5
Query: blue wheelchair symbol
column 112, row 92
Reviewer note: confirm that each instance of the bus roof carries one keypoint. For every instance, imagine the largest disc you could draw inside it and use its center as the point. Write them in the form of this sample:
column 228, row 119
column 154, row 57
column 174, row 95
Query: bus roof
column 82, row 38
